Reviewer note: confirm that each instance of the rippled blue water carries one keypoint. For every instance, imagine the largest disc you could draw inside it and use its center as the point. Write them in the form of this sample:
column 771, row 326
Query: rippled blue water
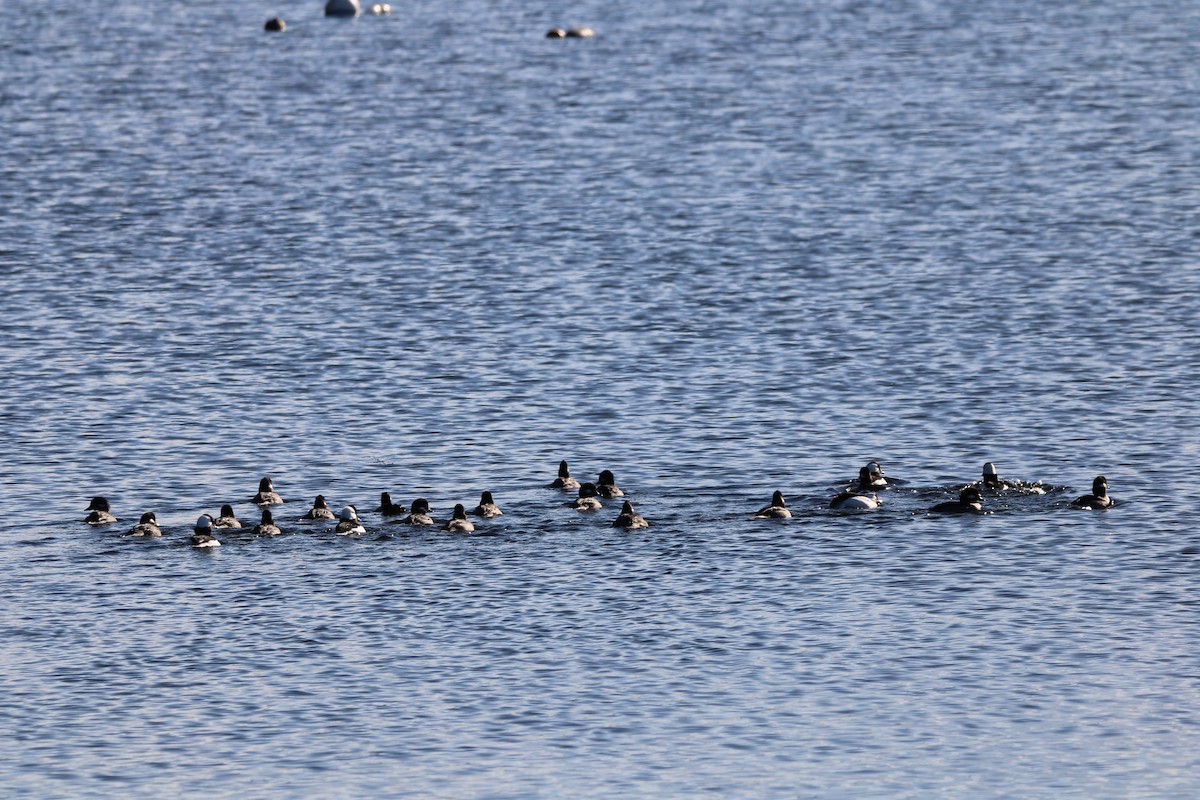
column 721, row 249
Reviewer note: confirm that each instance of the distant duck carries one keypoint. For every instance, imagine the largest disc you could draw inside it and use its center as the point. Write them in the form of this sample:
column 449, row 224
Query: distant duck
column 607, row 485
column 858, row 498
column 878, row 479
column 275, row 24
column 320, row 510
column 388, row 508
column 487, row 507
column 420, row 513
column 342, row 8
column 969, row 502
column 99, row 513
column 458, row 522
column 1098, row 498
column 267, row 526
column 202, row 532
column 630, row 518
column 556, row 33
column 777, row 510
column 586, row 501
column 580, row 33
column 267, row 496
column 147, row 526
column 992, row 482
column 227, row 519
column 564, row 480
column 349, row 524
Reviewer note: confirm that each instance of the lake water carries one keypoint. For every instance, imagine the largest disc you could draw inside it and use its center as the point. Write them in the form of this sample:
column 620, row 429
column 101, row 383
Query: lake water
column 722, row 248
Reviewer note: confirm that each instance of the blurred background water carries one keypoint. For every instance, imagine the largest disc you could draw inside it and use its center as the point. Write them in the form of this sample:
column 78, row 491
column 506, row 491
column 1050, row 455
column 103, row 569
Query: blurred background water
column 722, row 248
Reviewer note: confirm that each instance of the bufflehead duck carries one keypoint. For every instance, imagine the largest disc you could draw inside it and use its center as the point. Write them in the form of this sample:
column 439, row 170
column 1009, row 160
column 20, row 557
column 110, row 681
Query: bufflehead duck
column 564, row 480
column 420, row 513
column 1098, row 498
column 487, row 507
column 580, row 33
column 267, row 496
column 586, row 501
column 342, row 8
column 267, row 526
column 99, row 512
column 320, row 510
column 556, row 33
column 858, row 498
column 349, row 522
column 969, row 502
column 777, row 510
column 630, row 518
column 275, row 24
column 607, row 485
column 992, row 482
column 458, row 522
column 147, row 526
column 388, row 508
column 227, row 519
column 202, row 535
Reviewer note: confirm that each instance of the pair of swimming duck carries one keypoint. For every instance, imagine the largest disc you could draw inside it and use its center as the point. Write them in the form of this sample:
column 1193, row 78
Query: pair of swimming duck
column 862, row 497
column 589, row 496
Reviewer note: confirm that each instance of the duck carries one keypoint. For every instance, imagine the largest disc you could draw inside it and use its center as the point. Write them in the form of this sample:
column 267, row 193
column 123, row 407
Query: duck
column 857, row 498
column 556, row 33
column 349, row 523
column 320, row 510
column 267, row 527
column 275, row 24
column 878, row 479
column 1098, row 498
column 969, row 502
column 267, row 496
column 582, row 32
column 487, row 507
column 630, row 518
column 419, row 514
column 342, row 8
column 777, row 510
column 564, row 480
column 388, row 508
column 99, row 512
column 990, row 479
column 992, row 482
column 202, row 535
column 227, row 518
column 606, row 485
column 458, row 521
column 587, row 500
column 147, row 526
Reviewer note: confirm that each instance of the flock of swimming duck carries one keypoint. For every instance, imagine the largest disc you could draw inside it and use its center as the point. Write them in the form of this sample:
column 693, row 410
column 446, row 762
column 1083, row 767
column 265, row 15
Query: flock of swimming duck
column 860, row 496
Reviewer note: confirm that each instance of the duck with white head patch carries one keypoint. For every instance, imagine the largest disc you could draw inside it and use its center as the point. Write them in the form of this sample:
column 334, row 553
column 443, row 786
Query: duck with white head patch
column 349, row 524
column 857, row 498
column 202, row 533
column 147, row 526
